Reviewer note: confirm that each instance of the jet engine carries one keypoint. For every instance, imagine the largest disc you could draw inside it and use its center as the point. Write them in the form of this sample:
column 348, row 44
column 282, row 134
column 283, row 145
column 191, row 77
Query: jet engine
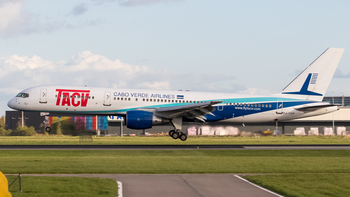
column 139, row 119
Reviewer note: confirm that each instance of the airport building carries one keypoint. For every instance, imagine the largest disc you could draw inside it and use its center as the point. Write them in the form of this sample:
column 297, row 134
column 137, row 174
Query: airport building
column 115, row 125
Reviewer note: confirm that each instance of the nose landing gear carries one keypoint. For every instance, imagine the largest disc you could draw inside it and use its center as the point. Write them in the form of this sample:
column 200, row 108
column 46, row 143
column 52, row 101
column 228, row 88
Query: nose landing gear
column 47, row 129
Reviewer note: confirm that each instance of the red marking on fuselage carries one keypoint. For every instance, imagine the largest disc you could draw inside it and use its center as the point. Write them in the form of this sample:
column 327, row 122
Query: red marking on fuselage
column 69, row 99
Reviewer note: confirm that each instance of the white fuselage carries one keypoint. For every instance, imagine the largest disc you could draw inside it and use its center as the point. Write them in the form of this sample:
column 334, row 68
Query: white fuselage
column 115, row 101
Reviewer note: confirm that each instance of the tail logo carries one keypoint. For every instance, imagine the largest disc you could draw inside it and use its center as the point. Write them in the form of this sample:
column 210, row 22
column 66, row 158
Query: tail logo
column 311, row 79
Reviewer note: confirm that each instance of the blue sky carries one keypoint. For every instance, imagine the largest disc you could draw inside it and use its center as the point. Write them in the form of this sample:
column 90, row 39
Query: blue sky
column 223, row 46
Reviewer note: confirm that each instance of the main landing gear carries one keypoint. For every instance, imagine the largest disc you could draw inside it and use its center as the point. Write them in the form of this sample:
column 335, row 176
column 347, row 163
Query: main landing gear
column 175, row 134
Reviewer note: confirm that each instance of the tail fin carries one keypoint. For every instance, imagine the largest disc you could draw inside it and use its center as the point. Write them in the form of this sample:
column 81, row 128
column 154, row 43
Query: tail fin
column 312, row 83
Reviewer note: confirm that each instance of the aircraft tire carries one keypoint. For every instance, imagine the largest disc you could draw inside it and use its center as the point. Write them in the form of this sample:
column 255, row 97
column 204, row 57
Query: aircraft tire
column 175, row 135
column 171, row 133
column 48, row 129
column 183, row 137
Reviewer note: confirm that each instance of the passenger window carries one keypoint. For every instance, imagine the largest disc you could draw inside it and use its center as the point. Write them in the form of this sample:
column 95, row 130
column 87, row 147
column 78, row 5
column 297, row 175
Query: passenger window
column 147, row 100
column 270, row 105
column 129, row 99
column 143, row 99
column 92, row 97
column 259, row 105
column 121, row 98
column 262, row 105
column 135, row 99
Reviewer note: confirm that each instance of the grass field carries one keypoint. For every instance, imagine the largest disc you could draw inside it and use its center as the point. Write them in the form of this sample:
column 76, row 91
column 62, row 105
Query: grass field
column 173, row 161
column 62, row 140
column 302, row 172
column 63, row 187
column 305, row 185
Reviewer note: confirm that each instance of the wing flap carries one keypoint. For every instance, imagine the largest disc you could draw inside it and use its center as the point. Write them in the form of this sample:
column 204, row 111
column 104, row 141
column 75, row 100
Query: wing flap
column 191, row 111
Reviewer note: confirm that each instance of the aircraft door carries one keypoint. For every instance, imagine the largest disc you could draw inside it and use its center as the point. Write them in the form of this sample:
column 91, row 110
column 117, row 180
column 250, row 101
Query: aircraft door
column 279, row 107
column 220, row 107
column 107, row 99
column 43, row 95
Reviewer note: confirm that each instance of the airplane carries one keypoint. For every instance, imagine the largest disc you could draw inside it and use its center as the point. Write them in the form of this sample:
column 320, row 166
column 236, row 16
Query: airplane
column 143, row 109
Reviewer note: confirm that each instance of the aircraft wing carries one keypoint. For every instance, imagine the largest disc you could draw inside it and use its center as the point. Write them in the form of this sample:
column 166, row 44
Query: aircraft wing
column 191, row 111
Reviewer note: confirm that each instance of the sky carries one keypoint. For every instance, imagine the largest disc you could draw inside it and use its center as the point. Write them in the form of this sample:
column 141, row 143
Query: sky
column 251, row 46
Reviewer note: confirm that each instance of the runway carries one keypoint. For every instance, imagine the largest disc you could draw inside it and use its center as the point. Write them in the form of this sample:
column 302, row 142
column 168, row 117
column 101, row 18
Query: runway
column 174, row 185
column 175, row 147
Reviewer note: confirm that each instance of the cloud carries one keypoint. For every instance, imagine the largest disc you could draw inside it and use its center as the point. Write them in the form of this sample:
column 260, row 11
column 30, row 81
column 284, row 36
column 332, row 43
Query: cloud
column 87, row 68
column 255, row 91
column 80, row 9
column 15, row 20
column 339, row 74
column 133, row 2
column 141, row 2
column 12, row 16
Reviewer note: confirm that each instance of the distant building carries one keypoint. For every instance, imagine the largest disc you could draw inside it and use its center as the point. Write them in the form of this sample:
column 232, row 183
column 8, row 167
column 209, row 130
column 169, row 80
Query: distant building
column 16, row 118
column 35, row 119
column 337, row 100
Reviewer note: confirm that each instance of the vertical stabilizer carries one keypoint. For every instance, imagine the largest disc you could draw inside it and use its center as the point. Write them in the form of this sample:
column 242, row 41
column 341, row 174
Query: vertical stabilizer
column 312, row 83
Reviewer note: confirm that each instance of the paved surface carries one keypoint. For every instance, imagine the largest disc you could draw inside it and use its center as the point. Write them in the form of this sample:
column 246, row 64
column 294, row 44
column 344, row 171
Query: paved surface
column 175, row 185
column 173, row 147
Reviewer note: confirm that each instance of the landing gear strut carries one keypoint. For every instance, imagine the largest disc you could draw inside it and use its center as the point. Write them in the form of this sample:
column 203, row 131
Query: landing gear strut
column 176, row 133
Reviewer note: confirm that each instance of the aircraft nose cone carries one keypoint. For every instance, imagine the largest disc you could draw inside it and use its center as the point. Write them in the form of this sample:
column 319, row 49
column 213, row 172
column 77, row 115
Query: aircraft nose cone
column 11, row 104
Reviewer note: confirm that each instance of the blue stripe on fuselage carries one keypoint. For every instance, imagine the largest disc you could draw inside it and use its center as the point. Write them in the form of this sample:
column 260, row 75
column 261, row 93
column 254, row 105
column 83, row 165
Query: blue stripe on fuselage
column 231, row 111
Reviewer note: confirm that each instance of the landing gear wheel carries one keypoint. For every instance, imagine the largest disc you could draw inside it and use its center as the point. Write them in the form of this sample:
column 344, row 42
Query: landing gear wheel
column 171, row 133
column 183, row 137
column 48, row 129
column 175, row 135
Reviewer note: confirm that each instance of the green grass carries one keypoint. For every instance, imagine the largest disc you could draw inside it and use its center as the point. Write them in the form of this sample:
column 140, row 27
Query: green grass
column 302, row 172
column 62, row 140
column 174, row 161
column 63, row 187
column 305, row 185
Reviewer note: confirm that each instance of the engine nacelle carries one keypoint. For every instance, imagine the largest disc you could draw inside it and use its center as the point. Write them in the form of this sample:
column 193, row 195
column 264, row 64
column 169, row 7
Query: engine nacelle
column 138, row 119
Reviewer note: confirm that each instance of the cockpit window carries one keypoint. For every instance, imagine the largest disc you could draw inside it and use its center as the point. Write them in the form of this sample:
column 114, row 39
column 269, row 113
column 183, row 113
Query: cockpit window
column 23, row 95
